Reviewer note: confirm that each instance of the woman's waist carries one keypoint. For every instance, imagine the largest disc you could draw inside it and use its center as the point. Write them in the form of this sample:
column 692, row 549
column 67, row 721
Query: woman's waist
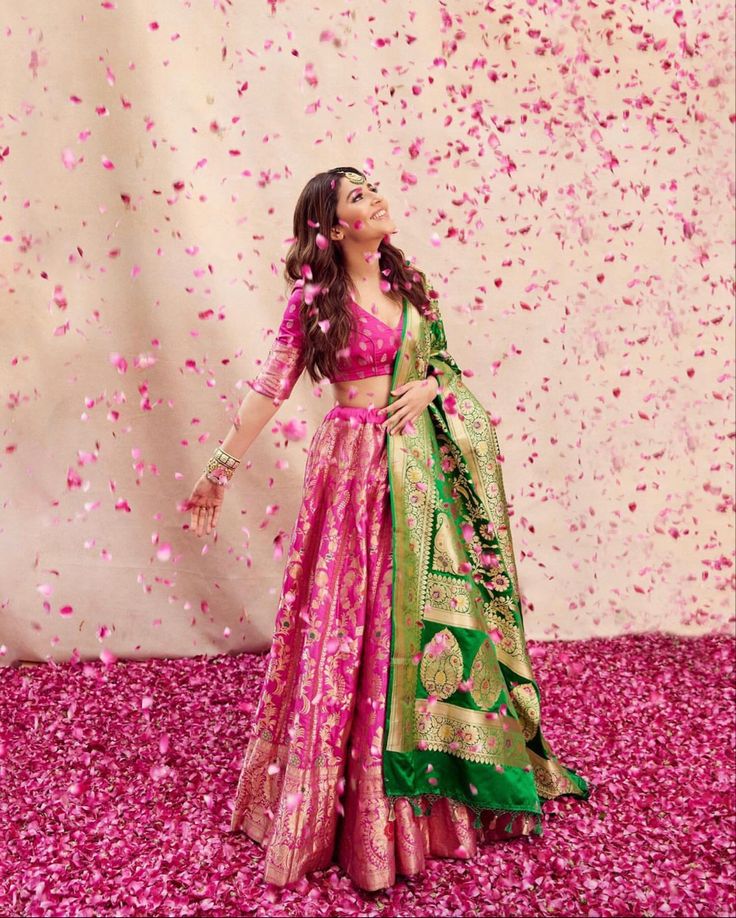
column 365, row 392
column 369, row 414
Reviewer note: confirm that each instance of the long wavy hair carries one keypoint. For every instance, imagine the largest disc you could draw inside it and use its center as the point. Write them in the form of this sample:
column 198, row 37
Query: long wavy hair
column 326, row 320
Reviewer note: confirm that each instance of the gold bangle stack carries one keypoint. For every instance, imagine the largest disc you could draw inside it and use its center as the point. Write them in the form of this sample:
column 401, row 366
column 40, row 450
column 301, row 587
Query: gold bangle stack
column 221, row 467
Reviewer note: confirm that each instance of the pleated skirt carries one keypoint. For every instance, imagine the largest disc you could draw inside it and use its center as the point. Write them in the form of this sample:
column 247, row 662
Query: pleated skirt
column 310, row 789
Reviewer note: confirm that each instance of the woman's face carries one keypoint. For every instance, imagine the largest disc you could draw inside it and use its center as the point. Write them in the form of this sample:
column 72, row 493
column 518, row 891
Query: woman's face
column 357, row 206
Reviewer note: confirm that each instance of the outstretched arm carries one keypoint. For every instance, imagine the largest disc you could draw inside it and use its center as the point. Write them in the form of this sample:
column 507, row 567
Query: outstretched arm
column 255, row 411
column 274, row 383
column 272, row 386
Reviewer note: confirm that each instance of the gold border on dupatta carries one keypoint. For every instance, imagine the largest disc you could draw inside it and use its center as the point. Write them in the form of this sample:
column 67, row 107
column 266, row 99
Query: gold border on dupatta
column 413, row 499
column 471, row 735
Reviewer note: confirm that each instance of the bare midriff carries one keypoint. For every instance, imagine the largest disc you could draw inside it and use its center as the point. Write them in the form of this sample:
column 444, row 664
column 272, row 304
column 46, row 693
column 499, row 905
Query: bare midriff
column 363, row 393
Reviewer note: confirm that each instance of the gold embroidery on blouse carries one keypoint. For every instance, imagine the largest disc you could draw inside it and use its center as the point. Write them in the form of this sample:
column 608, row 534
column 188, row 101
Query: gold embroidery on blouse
column 280, row 371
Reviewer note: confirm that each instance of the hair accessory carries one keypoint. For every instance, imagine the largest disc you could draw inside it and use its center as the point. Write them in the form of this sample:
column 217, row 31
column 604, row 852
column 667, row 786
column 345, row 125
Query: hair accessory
column 352, row 176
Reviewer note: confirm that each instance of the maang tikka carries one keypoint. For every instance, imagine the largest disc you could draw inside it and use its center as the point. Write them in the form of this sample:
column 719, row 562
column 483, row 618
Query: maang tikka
column 355, row 177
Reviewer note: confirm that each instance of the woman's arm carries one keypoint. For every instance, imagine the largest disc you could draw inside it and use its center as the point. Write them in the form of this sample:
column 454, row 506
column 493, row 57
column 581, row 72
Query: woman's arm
column 271, row 387
column 254, row 413
column 273, row 384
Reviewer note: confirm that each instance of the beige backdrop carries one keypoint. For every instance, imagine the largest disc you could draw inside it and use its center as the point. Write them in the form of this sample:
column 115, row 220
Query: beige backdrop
column 564, row 178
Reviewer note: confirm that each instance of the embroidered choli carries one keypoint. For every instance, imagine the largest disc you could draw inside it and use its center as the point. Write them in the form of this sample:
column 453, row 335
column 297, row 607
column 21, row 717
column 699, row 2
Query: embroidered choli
column 371, row 351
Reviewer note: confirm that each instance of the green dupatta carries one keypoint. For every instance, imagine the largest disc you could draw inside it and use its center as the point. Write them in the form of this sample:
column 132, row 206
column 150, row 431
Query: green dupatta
column 463, row 708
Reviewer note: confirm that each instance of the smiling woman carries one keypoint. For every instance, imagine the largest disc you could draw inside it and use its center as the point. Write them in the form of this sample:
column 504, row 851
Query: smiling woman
column 381, row 310
column 399, row 717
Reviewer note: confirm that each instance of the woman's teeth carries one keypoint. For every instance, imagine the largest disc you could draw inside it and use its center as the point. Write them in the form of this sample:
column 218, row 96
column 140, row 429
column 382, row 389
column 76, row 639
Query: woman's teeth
column 381, row 213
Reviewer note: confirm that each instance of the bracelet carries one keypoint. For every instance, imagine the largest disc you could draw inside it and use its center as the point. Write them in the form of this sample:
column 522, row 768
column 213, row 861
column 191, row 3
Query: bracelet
column 223, row 481
column 221, row 467
column 225, row 459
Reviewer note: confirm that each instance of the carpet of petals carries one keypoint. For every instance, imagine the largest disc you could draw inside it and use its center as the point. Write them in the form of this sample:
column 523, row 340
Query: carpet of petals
column 116, row 782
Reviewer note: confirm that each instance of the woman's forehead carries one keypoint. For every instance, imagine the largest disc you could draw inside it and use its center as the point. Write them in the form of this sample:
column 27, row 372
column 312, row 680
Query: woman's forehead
column 350, row 183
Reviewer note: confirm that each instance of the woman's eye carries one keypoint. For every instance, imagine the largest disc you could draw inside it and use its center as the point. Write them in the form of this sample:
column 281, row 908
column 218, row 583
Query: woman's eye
column 372, row 188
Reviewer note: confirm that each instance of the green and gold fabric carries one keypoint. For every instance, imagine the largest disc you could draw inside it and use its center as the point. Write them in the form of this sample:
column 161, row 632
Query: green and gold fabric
column 463, row 713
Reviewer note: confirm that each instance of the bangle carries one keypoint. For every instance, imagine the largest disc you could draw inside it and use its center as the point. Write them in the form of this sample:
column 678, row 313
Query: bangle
column 218, row 477
column 225, row 459
column 221, row 467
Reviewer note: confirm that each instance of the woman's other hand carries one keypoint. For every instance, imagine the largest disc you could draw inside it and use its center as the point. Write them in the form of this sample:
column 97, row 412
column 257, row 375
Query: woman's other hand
column 205, row 502
column 414, row 398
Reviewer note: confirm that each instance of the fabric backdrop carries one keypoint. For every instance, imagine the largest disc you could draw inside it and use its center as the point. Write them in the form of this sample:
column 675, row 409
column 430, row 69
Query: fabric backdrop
column 562, row 173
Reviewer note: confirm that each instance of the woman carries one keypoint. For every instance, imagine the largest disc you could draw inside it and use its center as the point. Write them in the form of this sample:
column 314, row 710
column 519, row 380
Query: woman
column 399, row 718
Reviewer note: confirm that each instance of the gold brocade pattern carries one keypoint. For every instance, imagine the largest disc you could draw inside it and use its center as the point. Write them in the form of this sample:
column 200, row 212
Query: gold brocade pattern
column 471, row 429
column 509, row 639
column 451, row 523
column 550, row 777
column 413, row 487
column 477, row 438
column 280, row 371
column 486, row 677
column 526, row 703
column 448, row 593
column 472, row 735
column 441, row 669
column 290, row 811
column 448, row 552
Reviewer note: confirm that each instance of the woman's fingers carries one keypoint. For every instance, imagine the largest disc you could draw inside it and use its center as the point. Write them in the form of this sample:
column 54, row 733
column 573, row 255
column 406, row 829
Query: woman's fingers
column 198, row 519
column 204, row 505
column 204, row 519
column 398, row 420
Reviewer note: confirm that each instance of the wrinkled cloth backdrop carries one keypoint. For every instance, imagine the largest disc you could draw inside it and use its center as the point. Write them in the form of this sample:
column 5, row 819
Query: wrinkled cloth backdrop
column 576, row 233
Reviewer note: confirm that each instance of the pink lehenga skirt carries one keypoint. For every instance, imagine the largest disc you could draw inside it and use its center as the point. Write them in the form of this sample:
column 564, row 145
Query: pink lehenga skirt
column 311, row 786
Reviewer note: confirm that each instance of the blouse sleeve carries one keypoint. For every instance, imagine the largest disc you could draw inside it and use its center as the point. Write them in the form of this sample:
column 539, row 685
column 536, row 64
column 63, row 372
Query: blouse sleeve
column 285, row 361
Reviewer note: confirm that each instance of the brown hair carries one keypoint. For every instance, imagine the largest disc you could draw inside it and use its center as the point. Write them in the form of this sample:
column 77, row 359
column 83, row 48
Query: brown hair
column 323, row 272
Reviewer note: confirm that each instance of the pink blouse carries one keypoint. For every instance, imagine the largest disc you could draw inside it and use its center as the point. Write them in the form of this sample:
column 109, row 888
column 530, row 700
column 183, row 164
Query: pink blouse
column 371, row 351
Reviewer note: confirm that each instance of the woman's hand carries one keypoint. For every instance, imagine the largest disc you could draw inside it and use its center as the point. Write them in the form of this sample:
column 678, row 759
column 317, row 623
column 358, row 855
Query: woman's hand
column 415, row 396
column 205, row 502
